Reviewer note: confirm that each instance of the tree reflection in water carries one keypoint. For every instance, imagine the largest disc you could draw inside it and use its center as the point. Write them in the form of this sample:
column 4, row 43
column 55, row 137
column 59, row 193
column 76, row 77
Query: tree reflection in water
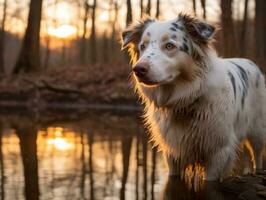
column 96, row 156
column 27, row 133
column 2, row 164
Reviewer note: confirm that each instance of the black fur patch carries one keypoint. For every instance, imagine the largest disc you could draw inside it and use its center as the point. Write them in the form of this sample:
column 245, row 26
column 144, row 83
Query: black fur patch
column 184, row 48
column 244, row 79
column 233, row 81
column 176, row 26
column 173, row 29
column 185, row 40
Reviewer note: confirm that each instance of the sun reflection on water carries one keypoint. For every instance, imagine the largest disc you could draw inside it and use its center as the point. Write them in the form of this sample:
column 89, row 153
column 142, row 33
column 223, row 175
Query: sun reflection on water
column 57, row 140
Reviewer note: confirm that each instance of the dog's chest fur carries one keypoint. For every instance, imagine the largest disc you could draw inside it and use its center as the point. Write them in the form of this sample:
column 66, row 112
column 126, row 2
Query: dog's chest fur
column 190, row 132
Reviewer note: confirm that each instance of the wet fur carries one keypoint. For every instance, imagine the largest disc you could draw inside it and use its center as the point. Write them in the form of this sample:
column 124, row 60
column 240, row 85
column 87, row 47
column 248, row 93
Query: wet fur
column 209, row 109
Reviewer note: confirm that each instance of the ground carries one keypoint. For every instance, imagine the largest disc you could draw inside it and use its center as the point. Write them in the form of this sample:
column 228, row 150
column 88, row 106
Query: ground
column 102, row 83
column 248, row 187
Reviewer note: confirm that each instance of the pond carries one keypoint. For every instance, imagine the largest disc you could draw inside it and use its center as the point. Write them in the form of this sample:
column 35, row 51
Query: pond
column 88, row 155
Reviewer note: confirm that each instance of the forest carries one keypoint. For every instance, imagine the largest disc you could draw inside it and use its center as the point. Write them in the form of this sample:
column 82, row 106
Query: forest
column 56, row 51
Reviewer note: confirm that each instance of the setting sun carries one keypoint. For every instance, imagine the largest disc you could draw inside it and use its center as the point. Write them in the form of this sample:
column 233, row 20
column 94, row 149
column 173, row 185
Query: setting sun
column 63, row 31
column 60, row 143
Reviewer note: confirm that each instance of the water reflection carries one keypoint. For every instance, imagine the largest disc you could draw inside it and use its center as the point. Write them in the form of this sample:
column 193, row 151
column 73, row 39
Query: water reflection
column 101, row 156
column 98, row 156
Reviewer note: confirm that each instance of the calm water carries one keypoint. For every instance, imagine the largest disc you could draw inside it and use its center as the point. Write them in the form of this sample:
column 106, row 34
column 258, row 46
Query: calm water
column 96, row 155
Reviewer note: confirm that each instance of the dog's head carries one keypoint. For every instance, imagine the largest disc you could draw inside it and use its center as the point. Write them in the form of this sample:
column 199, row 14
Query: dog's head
column 163, row 52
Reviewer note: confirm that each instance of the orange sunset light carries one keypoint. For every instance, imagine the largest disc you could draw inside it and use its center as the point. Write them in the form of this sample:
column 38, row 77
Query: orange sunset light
column 63, row 31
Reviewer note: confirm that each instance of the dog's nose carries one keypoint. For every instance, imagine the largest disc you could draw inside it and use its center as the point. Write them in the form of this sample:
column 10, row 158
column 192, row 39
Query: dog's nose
column 141, row 70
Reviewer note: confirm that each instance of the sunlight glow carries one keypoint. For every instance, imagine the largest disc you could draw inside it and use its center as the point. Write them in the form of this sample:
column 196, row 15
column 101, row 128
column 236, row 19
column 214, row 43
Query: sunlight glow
column 60, row 143
column 64, row 31
column 104, row 16
column 58, row 140
column 62, row 12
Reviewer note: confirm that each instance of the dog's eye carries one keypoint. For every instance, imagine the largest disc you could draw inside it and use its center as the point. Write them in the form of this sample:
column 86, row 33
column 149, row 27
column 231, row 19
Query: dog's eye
column 142, row 47
column 169, row 46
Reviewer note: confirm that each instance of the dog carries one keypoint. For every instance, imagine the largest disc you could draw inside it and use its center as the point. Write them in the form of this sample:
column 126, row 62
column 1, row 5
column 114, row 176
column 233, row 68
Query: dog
column 198, row 107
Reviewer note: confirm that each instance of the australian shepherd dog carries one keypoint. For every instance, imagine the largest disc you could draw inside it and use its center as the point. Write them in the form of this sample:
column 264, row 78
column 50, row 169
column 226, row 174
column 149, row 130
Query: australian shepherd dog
column 199, row 107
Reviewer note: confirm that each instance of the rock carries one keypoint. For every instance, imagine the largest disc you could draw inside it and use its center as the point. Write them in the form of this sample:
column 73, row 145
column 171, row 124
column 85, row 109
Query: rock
column 250, row 195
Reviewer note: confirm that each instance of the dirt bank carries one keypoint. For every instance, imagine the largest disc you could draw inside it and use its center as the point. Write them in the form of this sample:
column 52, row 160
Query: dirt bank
column 99, row 84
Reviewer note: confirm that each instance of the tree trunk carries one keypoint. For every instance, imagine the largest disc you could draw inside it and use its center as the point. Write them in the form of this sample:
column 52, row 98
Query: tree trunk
column 141, row 9
column 203, row 5
column 114, row 23
column 242, row 41
column 2, row 39
column 47, row 53
column 93, row 49
column 157, row 9
column 83, row 44
column 228, row 28
column 29, row 57
column 194, row 7
column 129, row 12
column 260, row 31
column 148, row 8
column 105, row 48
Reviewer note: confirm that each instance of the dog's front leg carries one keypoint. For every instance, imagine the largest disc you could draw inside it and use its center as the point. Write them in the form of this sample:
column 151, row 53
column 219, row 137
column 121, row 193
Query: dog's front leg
column 220, row 163
column 173, row 165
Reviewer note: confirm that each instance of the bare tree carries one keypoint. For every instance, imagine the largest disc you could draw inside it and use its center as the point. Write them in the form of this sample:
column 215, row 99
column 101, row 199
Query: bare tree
column 48, row 37
column 203, row 5
column 141, row 8
column 116, row 9
column 194, row 7
column 29, row 57
column 83, row 44
column 242, row 42
column 129, row 12
column 157, row 9
column 2, row 38
column 93, row 49
column 228, row 28
column 260, row 31
column 47, row 52
column 148, row 8
column 105, row 47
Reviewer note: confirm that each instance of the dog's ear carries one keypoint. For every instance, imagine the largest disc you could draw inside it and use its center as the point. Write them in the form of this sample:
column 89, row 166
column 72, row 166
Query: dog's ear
column 132, row 35
column 200, row 31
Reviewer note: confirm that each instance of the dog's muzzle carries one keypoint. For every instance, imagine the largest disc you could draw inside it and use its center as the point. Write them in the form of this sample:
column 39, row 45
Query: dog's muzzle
column 141, row 70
